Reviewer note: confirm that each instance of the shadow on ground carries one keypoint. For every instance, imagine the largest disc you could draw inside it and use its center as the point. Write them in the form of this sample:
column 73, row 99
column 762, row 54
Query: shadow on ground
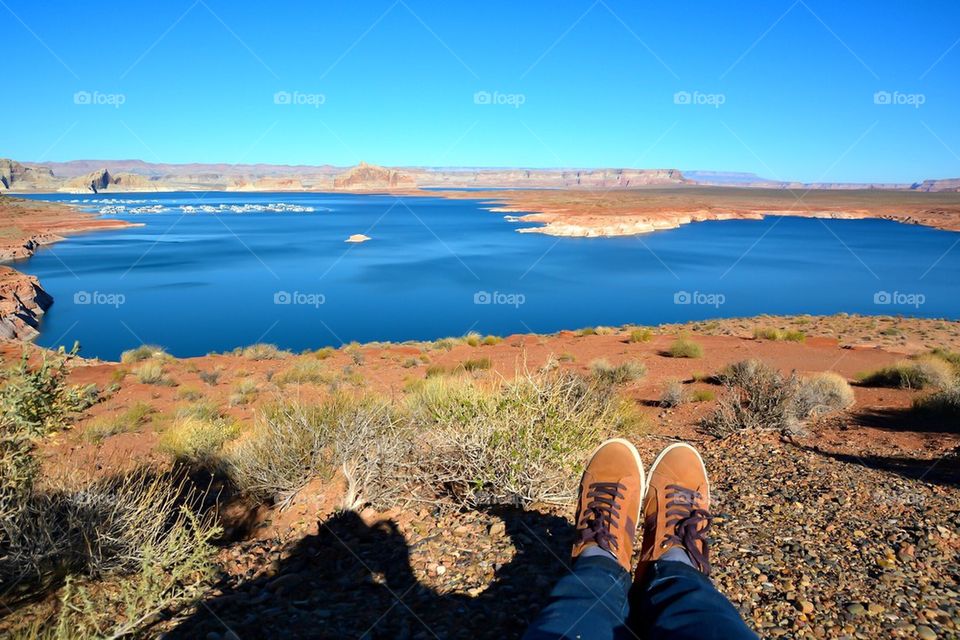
column 352, row 580
column 943, row 471
column 905, row 420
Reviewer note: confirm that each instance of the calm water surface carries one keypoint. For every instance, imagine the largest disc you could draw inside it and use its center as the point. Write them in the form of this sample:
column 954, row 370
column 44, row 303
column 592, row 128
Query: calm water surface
column 212, row 271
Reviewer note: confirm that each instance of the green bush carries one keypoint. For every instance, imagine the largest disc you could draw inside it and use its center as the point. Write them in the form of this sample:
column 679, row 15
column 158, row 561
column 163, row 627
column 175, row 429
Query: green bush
column 475, row 364
column 303, row 372
column 768, row 333
column 641, row 335
column 685, row 348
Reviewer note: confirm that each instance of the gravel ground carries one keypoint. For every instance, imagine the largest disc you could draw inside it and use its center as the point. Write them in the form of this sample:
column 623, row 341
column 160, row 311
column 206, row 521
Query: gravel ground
column 805, row 545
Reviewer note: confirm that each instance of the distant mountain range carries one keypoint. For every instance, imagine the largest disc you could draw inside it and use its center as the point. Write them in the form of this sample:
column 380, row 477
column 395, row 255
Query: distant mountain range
column 737, row 179
column 95, row 176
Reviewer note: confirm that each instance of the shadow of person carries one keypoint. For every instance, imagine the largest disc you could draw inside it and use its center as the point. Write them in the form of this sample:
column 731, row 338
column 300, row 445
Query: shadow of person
column 354, row 580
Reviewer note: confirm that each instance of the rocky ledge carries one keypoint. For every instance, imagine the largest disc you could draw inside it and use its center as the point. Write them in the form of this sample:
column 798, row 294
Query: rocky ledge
column 22, row 302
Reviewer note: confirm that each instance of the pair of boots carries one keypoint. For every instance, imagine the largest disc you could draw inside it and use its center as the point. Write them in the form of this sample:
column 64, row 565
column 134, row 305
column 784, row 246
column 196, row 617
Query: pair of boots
column 670, row 506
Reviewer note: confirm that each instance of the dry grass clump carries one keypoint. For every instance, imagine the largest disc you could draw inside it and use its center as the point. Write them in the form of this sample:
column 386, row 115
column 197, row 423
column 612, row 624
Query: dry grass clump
column 263, row 351
column 475, row 364
column 758, row 398
column 243, row 392
column 136, row 531
column 291, row 443
column 151, row 372
column 685, row 348
column 452, row 442
column 823, row 393
column 197, row 439
column 944, row 404
column 922, row 373
column 617, row 374
column 130, row 420
column 143, row 352
column 673, row 394
column 303, row 372
column 769, row 333
column 642, row 334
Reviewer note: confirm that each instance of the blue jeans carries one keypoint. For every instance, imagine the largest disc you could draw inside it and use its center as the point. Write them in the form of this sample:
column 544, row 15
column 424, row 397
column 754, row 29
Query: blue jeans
column 595, row 601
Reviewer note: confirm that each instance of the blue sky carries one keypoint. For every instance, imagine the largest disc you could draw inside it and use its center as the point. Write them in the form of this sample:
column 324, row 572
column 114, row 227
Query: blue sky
column 786, row 89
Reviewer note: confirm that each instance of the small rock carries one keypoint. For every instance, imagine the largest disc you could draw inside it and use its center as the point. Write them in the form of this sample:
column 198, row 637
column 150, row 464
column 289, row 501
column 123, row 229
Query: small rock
column 856, row 609
column 497, row 529
column 925, row 632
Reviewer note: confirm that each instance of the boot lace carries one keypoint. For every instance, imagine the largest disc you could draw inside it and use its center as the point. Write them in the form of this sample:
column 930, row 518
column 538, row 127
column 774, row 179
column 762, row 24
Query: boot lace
column 601, row 515
column 689, row 525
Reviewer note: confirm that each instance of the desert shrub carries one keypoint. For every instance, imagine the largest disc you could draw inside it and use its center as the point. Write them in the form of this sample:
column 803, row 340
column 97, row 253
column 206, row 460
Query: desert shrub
column 685, row 348
column 586, row 331
column 197, row 439
column 822, row 393
column 641, row 335
column 151, row 372
column 943, row 404
column 769, row 333
column 37, row 400
column 756, row 397
column 263, row 351
column 444, row 343
column 291, row 443
column 673, row 394
column 953, row 357
column 205, row 410
column 210, row 377
column 475, row 364
column 130, row 420
column 243, row 392
column 324, row 352
column 473, row 339
column 619, row 374
column 303, row 372
column 409, row 363
column 137, row 525
column 141, row 353
column 922, row 373
column 521, row 442
column 491, row 340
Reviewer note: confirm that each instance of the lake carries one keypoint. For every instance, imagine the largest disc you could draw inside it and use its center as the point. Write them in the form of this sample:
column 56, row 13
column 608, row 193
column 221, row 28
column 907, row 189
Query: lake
column 213, row 271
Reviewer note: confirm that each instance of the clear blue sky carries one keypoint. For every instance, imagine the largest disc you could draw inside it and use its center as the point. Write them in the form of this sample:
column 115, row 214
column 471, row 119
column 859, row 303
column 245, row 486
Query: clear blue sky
column 597, row 82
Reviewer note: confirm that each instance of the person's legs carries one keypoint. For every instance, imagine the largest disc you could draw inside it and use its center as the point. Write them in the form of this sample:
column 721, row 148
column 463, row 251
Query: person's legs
column 590, row 602
column 672, row 596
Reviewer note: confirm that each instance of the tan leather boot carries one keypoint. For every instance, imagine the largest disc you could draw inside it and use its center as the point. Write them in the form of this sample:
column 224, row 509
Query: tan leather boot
column 608, row 506
column 676, row 508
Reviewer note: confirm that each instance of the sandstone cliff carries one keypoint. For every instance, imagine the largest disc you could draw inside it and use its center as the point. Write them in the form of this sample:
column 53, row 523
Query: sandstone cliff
column 367, row 177
column 14, row 175
column 22, row 302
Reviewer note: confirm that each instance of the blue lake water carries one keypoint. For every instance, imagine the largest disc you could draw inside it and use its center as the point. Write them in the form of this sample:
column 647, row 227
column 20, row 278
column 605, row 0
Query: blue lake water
column 240, row 268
